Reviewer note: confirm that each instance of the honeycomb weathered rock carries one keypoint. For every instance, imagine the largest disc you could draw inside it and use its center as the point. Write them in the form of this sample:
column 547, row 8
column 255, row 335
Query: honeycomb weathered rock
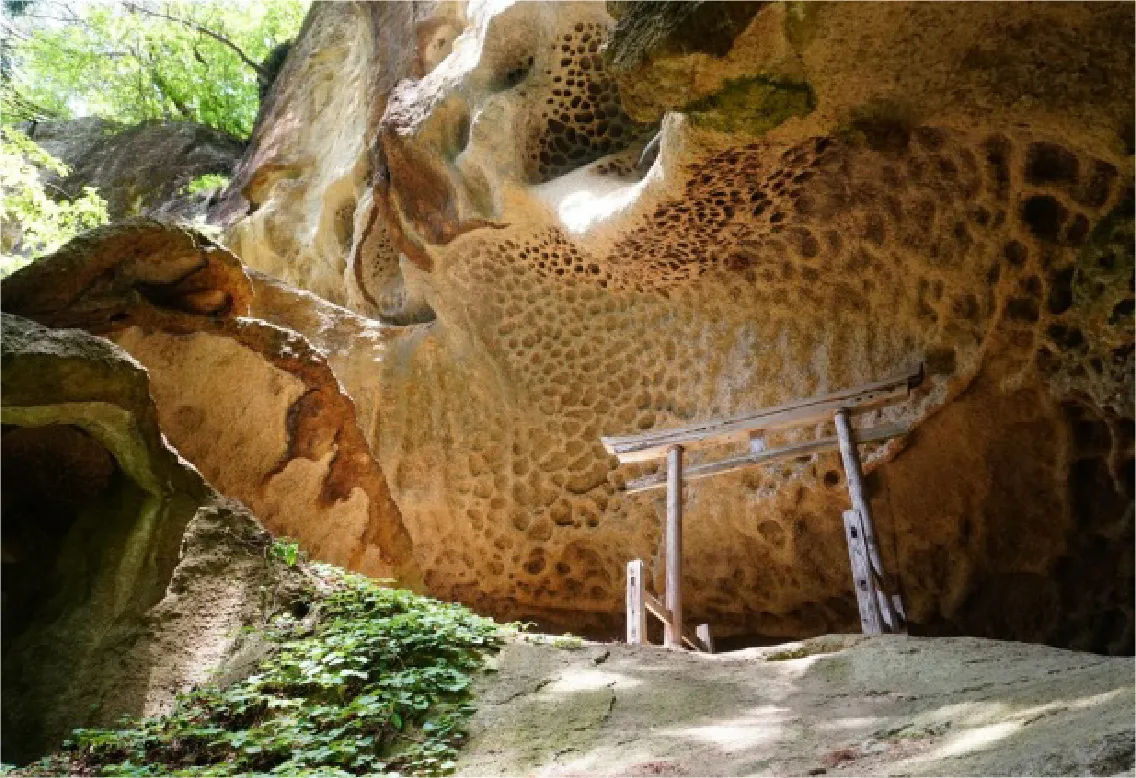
column 841, row 191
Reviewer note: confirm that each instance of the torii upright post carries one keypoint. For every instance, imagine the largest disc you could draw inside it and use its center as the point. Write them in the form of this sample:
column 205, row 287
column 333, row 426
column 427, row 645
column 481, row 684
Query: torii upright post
column 855, row 477
column 672, row 630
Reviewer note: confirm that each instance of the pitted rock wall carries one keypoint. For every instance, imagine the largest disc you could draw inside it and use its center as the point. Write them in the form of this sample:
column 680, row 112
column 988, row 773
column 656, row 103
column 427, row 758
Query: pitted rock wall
column 841, row 192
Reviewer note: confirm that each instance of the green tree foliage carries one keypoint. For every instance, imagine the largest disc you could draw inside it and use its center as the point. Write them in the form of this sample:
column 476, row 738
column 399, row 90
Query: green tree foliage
column 131, row 60
column 33, row 223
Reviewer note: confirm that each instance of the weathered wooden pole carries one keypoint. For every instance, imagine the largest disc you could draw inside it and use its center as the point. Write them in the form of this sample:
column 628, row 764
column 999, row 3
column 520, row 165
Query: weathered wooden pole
column 672, row 632
column 870, row 623
column 636, row 616
column 855, row 478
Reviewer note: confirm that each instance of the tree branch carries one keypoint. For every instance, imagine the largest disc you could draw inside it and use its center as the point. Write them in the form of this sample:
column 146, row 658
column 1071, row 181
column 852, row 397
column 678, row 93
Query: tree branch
column 7, row 28
column 261, row 73
column 167, row 92
column 161, row 84
column 21, row 106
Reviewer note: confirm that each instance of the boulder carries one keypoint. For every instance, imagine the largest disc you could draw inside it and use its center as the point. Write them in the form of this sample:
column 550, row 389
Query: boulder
column 254, row 406
column 141, row 169
column 835, row 705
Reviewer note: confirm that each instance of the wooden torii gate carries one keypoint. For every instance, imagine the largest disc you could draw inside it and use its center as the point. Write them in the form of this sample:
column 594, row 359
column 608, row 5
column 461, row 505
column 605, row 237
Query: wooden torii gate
column 879, row 612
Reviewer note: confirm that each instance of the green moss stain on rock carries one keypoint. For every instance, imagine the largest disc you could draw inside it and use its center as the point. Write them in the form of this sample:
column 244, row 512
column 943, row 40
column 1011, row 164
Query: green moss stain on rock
column 753, row 104
column 800, row 23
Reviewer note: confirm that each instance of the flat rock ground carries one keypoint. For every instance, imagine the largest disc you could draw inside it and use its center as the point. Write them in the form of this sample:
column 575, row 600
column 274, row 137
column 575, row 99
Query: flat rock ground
column 835, row 705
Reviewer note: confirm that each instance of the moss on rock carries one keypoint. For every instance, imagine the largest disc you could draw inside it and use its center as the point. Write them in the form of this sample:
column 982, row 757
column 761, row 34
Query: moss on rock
column 753, row 104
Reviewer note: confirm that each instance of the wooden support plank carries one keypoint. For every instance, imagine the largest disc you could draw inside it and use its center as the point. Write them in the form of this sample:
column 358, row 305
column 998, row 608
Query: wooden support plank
column 636, row 616
column 855, row 479
column 656, row 608
column 895, row 618
column 862, row 575
column 768, row 456
column 672, row 630
column 660, row 611
column 705, row 638
column 654, row 444
column 900, row 612
column 891, row 621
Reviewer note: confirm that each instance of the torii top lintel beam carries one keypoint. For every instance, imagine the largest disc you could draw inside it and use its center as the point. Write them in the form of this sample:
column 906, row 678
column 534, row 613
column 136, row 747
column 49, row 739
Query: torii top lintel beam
column 654, row 444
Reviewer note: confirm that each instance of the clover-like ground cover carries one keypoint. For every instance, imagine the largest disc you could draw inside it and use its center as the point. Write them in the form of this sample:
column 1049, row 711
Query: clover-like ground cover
column 370, row 680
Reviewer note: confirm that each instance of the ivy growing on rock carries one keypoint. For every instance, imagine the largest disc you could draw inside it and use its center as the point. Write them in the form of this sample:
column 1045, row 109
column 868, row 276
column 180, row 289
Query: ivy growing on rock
column 370, row 680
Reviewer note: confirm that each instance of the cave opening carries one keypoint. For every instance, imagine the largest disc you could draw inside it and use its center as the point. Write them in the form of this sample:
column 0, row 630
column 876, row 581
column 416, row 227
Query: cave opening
column 67, row 505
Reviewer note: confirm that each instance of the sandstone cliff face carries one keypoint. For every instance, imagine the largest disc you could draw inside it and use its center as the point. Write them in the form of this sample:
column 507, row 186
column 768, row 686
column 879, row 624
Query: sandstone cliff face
column 577, row 226
column 126, row 578
column 142, row 169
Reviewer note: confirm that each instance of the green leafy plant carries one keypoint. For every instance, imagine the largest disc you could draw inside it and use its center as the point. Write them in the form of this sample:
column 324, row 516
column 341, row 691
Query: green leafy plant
column 206, row 183
column 285, row 550
column 380, row 685
column 34, row 223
